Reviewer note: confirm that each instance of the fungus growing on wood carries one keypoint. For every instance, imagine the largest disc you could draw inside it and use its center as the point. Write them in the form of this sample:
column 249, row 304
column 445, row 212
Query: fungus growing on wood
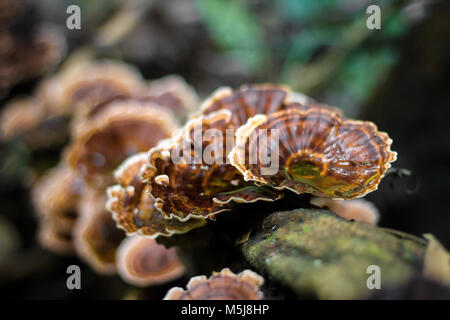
column 95, row 235
column 132, row 207
column 223, row 285
column 143, row 262
column 87, row 84
column 318, row 150
column 185, row 186
column 174, row 93
column 54, row 238
column 20, row 116
column 106, row 139
column 55, row 196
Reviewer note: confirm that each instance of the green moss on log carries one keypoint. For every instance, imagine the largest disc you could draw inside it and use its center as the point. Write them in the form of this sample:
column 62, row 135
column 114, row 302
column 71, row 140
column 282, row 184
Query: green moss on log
column 318, row 254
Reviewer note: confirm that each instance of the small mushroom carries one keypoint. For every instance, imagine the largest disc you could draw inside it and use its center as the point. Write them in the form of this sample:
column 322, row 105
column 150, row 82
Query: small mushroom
column 95, row 235
column 132, row 207
column 319, row 152
column 356, row 209
column 143, row 262
column 223, row 285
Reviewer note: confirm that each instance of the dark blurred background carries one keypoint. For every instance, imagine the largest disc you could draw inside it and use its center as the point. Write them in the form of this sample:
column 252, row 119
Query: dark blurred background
column 397, row 77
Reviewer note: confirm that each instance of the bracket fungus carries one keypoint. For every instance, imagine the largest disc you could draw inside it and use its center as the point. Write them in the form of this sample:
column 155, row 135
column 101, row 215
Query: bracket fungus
column 96, row 237
column 109, row 137
column 205, row 187
column 132, row 207
column 55, row 239
column 143, row 262
column 319, row 152
column 173, row 92
column 55, row 196
column 20, row 116
column 223, row 285
column 86, row 84
column 186, row 190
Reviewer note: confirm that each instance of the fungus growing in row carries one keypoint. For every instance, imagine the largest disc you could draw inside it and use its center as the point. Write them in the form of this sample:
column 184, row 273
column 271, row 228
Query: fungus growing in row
column 202, row 189
column 55, row 197
column 173, row 92
column 186, row 186
column 132, row 207
column 143, row 262
column 20, row 116
column 205, row 188
column 319, row 152
column 109, row 137
column 52, row 237
column 95, row 235
column 87, row 84
column 223, row 285
column 356, row 209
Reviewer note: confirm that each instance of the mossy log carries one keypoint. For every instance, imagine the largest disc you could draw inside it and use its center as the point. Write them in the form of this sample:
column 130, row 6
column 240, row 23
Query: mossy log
column 316, row 254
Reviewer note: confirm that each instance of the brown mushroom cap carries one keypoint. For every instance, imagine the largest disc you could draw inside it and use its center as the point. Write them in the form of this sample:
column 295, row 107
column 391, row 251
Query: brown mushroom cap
column 104, row 141
column 86, row 84
column 356, row 209
column 183, row 188
column 55, row 197
column 55, row 238
column 96, row 237
column 200, row 189
column 133, row 208
column 20, row 116
column 143, row 262
column 49, row 93
column 173, row 92
column 223, row 285
column 320, row 152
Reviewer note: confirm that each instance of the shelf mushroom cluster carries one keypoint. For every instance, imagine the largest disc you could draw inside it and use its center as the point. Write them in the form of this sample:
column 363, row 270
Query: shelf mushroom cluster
column 115, row 114
column 171, row 179
column 319, row 151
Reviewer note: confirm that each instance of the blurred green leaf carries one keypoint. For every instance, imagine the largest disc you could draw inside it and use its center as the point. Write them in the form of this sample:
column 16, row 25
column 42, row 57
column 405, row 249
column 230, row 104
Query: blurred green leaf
column 303, row 10
column 359, row 77
column 235, row 30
